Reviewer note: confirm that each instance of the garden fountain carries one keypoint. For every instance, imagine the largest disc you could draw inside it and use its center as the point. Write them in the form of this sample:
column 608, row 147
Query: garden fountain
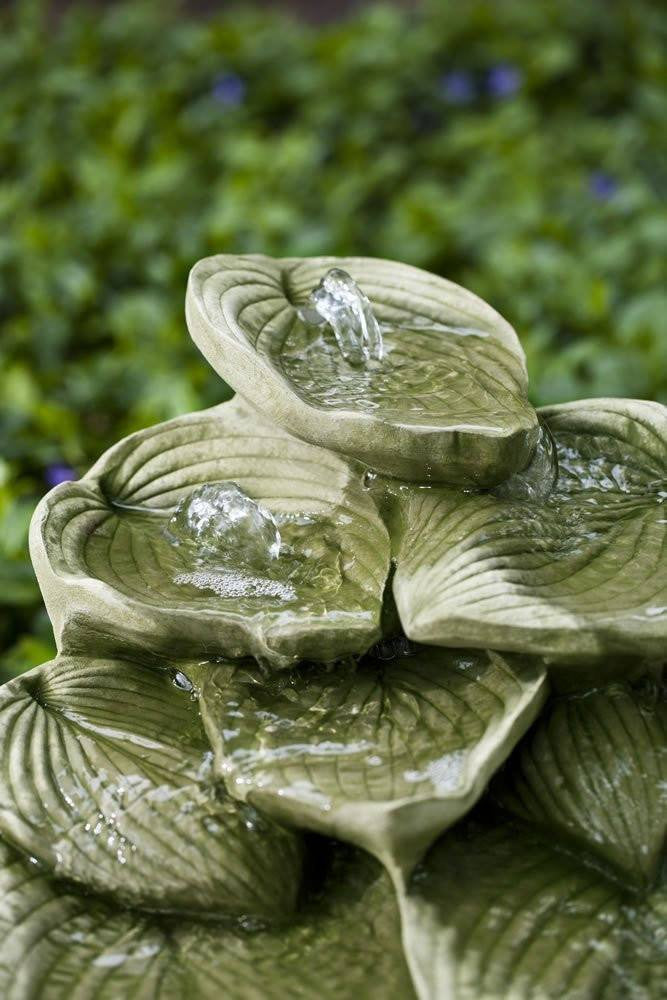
column 358, row 688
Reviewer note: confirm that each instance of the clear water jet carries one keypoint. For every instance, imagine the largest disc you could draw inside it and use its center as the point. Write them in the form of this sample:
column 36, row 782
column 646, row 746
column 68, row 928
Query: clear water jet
column 339, row 301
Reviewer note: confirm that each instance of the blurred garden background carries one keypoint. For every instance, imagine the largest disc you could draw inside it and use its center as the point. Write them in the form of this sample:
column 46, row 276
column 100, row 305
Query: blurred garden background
column 515, row 147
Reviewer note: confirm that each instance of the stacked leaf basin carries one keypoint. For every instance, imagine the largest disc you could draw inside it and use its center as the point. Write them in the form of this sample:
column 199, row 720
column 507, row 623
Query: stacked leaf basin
column 359, row 682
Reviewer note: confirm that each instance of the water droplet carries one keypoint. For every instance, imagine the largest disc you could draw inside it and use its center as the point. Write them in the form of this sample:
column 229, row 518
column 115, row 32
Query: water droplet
column 369, row 479
column 205, row 768
column 340, row 302
column 538, row 480
column 222, row 525
column 182, row 682
column 110, row 961
column 211, row 825
column 251, row 924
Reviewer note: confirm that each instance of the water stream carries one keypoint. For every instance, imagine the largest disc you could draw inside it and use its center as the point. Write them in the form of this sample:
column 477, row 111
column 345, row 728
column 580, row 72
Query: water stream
column 537, row 481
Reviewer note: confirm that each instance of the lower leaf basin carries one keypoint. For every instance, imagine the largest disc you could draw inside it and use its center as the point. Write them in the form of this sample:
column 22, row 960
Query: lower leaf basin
column 106, row 781
column 344, row 941
column 578, row 575
column 536, row 908
column 446, row 400
column 496, row 912
column 386, row 755
column 593, row 771
column 110, row 574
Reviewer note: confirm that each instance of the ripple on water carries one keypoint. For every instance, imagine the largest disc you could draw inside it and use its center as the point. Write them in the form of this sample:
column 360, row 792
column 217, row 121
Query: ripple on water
column 434, row 372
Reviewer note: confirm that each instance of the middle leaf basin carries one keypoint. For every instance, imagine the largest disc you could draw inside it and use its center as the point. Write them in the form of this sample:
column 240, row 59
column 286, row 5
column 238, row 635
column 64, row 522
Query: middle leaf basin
column 111, row 576
column 446, row 402
column 579, row 575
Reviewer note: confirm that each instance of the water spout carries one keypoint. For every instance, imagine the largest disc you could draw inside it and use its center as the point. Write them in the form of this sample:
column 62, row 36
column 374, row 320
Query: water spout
column 340, row 302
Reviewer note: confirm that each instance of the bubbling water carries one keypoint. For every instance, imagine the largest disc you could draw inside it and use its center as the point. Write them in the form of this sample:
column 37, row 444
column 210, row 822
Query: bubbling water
column 222, row 526
column 339, row 301
column 236, row 549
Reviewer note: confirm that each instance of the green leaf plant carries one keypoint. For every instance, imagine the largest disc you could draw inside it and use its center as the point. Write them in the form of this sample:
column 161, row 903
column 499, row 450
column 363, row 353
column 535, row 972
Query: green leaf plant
column 358, row 690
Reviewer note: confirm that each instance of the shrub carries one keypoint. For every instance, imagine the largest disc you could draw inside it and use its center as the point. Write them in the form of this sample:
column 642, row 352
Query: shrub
column 512, row 147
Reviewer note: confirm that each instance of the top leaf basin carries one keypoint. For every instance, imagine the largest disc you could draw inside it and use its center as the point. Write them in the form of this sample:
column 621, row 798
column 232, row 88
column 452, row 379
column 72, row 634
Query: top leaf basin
column 343, row 941
column 111, row 576
column 447, row 401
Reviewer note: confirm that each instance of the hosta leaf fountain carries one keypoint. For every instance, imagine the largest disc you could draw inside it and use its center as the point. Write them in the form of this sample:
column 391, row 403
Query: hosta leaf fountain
column 359, row 682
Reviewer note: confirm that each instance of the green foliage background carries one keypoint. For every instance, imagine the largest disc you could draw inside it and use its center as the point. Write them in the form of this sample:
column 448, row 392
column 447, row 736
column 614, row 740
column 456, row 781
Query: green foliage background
column 136, row 139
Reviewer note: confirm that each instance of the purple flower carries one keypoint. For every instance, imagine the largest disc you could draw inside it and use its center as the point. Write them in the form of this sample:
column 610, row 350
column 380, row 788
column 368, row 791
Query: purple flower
column 457, row 87
column 58, row 473
column 602, row 186
column 229, row 88
column 503, row 80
